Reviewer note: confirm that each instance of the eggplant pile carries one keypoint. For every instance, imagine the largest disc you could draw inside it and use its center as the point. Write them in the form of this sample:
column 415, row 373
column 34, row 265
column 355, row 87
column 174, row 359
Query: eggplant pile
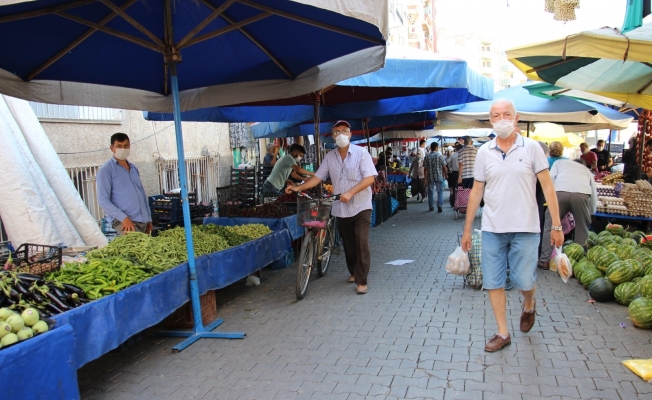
column 20, row 291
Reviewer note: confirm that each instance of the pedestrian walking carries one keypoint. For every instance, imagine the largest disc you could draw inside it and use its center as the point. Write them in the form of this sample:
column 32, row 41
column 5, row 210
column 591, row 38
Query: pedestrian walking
column 576, row 193
column 120, row 191
column 417, row 174
column 435, row 172
column 466, row 162
column 352, row 172
column 505, row 172
column 453, row 172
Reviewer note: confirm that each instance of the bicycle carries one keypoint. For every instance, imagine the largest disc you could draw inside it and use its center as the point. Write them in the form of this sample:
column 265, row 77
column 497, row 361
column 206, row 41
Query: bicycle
column 319, row 240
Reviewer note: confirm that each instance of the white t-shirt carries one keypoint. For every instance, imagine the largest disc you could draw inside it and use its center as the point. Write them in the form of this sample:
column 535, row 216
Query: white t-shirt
column 510, row 185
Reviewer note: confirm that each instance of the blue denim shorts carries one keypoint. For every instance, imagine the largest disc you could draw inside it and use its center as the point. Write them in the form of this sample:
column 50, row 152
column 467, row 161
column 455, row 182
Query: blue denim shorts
column 519, row 249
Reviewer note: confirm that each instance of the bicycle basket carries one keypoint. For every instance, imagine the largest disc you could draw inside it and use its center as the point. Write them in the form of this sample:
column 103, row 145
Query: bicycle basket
column 313, row 213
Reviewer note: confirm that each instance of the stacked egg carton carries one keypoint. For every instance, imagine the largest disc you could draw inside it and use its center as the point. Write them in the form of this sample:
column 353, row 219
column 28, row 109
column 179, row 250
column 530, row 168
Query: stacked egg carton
column 638, row 198
column 605, row 190
column 612, row 205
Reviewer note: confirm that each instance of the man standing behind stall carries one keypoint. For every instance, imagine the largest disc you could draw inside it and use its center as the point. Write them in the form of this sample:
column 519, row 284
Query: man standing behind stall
column 287, row 164
column 272, row 155
column 120, row 192
column 604, row 157
column 352, row 172
column 506, row 171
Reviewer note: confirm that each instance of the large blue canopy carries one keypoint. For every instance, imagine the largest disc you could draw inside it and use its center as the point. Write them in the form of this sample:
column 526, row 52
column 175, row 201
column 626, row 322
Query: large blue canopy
column 114, row 53
column 292, row 129
column 411, row 81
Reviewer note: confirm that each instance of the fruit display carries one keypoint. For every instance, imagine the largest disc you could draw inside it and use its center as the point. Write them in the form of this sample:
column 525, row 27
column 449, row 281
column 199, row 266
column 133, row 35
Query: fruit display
column 15, row 327
column 617, row 265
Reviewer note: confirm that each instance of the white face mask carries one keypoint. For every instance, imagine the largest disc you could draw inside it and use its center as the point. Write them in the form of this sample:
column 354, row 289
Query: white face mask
column 298, row 158
column 503, row 128
column 121, row 154
column 342, row 140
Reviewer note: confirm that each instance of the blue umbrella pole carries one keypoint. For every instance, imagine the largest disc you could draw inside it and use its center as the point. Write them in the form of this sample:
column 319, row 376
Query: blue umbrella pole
column 199, row 330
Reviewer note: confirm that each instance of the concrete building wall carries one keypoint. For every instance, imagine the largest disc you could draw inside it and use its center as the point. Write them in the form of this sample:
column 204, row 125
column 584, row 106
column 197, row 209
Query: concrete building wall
column 87, row 144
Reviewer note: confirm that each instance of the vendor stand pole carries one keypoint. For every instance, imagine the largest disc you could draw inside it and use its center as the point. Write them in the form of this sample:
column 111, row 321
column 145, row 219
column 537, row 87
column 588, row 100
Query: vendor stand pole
column 382, row 132
column 365, row 126
column 316, row 97
column 527, row 133
column 199, row 331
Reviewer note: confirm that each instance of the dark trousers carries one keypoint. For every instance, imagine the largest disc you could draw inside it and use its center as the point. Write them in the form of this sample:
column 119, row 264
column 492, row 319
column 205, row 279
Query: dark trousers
column 418, row 187
column 452, row 184
column 355, row 238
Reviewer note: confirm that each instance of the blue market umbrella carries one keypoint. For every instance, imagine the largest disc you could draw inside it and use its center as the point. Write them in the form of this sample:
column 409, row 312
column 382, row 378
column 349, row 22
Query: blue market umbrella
column 411, row 80
column 574, row 115
column 126, row 54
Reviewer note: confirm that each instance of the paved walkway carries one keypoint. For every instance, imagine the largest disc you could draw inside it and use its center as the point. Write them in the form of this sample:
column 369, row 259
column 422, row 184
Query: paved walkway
column 418, row 333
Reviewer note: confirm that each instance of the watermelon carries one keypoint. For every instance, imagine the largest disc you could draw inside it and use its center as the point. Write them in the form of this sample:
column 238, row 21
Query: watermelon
column 589, row 276
column 620, row 272
column 604, row 241
column 605, row 260
column 647, row 241
column 648, row 269
column 574, row 251
column 580, row 266
column 637, row 236
column 625, row 252
column 626, row 292
column 643, row 258
column 604, row 234
column 593, row 254
column 640, row 312
column 591, row 242
column 612, row 247
column 637, row 267
column 617, row 239
column 601, row 290
column 630, row 242
column 638, row 278
column 592, row 235
column 645, row 286
column 615, row 229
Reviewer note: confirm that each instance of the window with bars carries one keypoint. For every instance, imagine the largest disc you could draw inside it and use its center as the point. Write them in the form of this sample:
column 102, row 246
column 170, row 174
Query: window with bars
column 202, row 176
column 63, row 113
column 84, row 179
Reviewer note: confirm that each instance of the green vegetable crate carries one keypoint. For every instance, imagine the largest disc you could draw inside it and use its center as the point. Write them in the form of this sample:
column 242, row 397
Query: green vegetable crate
column 182, row 318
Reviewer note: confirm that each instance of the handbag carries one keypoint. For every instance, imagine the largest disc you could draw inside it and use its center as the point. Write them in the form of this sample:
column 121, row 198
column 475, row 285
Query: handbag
column 568, row 223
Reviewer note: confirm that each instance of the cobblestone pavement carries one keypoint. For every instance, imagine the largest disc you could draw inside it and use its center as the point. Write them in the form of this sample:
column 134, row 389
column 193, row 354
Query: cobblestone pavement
column 418, row 333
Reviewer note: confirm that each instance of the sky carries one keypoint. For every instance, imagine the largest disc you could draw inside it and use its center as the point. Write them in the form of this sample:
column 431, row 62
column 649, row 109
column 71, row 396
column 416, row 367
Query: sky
column 524, row 21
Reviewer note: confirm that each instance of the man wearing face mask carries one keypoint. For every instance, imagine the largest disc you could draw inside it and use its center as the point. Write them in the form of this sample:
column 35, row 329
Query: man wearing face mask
column 506, row 171
column 120, row 192
column 604, row 156
column 274, row 184
column 352, row 172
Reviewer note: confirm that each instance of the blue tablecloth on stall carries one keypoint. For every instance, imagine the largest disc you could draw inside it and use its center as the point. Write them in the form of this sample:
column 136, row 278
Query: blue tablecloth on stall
column 289, row 223
column 399, row 178
column 620, row 216
column 42, row 367
column 104, row 324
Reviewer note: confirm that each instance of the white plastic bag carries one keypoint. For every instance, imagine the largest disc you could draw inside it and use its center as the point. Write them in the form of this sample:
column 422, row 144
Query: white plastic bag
column 561, row 264
column 458, row 263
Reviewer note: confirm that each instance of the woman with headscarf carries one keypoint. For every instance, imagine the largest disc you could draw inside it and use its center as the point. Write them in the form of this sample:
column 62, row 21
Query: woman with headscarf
column 417, row 173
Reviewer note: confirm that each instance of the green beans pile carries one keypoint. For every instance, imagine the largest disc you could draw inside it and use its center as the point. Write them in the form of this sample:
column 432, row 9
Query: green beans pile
column 132, row 258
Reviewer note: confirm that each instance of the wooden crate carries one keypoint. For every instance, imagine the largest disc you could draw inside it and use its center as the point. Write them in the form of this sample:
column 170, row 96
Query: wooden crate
column 183, row 318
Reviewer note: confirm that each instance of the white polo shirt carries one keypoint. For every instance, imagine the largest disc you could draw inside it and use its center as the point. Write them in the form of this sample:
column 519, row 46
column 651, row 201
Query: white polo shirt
column 510, row 185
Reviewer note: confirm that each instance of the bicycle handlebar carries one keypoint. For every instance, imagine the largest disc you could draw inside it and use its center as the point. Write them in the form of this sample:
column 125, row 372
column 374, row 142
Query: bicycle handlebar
column 331, row 197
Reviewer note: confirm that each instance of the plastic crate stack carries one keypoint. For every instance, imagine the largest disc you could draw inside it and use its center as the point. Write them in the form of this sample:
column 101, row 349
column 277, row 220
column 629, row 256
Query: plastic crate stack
column 243, row 186
column 168, row 209
column 263, row 174
column 227, row 205
column 401, row 196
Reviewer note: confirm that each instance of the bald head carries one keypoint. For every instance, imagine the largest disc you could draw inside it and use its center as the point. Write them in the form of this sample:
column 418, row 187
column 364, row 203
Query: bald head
column 502, row 109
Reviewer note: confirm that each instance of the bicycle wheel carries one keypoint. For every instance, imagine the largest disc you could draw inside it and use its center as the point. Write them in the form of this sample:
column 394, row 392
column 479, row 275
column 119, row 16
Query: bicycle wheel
column 326, row 248
column 304, row 265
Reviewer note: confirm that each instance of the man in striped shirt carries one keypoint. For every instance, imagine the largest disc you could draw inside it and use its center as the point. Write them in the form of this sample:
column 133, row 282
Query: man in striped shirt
column 466, row 163
column 352, row 172
column 435, row 170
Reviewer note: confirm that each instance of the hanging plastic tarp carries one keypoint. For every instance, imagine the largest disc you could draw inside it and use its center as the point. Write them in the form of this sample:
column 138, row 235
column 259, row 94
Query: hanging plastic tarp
column 55, row 173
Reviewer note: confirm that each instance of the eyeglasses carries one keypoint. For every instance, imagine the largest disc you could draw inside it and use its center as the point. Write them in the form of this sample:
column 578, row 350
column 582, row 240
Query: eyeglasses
column 335, row 133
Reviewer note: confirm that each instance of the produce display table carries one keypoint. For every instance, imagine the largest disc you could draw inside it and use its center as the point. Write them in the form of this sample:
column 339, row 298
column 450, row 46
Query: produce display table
column 102, row 325
column 399, row 178
column 42, row 367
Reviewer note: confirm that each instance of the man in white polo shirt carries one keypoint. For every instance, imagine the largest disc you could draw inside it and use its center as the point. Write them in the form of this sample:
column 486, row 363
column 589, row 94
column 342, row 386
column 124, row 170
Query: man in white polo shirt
column 506, row 171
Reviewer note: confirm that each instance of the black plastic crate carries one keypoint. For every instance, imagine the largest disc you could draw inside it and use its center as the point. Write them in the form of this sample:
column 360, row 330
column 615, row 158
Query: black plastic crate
column 38, row 259
column 167, row 204
column 401, row 196
column 192, row 196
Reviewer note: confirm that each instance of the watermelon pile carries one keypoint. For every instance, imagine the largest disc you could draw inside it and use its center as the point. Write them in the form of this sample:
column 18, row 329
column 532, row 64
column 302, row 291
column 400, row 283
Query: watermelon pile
column 617, row 265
